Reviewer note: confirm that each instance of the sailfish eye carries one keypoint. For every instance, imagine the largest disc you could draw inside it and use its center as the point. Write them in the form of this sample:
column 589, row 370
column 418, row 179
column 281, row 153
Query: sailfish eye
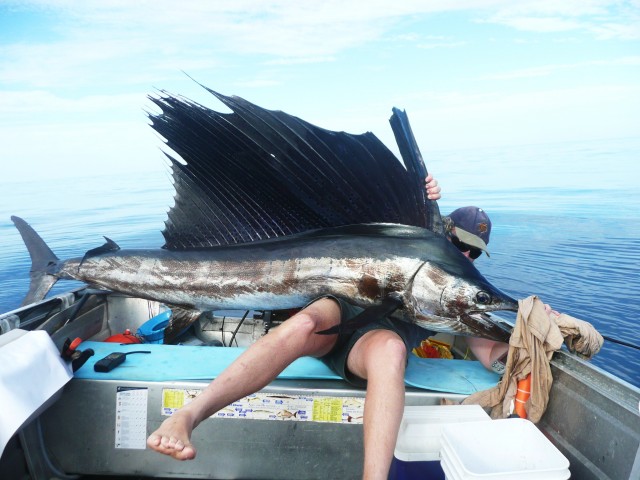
column 483, row 298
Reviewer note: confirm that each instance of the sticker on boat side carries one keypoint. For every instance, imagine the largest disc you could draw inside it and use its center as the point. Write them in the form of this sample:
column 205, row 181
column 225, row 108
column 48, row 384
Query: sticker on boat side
column 131, row 418
column 270, row 406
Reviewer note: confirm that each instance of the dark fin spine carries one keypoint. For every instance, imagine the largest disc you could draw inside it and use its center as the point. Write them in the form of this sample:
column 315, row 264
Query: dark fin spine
column 109, row 246
column 415, row 166
column 43, row 261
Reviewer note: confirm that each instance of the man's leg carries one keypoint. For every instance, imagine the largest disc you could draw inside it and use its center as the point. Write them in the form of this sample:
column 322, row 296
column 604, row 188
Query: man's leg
column 254, row 369
column 380, row 358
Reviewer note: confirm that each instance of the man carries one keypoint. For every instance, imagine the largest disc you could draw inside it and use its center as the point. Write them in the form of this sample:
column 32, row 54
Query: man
column 469, row 229
column 374, row 356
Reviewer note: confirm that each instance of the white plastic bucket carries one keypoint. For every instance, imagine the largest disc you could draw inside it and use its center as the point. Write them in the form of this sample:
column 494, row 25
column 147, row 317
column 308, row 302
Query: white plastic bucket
column 501, row 449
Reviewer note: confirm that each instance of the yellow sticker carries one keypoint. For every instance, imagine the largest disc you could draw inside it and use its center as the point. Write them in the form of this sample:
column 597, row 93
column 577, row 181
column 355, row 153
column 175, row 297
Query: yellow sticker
column 172, row 398
column 327, row 409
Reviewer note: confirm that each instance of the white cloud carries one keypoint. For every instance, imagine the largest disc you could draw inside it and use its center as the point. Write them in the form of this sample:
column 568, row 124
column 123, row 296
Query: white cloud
column 441, row 44
column 628, row 31
column 300, row 60
column 566, row 8
column 542, row 24
column 605, row 19
column 97, row 41
column 27, row 102
column 537, row 116
column 546, row 70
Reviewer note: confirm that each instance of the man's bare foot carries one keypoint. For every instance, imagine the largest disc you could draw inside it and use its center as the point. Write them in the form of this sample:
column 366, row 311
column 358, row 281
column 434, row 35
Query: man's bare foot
column 173, row 438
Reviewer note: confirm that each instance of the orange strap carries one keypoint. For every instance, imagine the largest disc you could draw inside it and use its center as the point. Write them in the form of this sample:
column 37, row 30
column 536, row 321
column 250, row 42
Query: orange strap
column 522, row 395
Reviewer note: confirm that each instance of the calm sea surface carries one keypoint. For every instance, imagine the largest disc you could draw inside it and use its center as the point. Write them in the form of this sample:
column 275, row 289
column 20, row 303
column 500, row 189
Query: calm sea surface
column 566, row 227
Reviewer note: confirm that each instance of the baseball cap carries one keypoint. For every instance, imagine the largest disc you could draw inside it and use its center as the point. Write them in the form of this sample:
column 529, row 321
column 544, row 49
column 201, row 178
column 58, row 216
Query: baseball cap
column 473, row 226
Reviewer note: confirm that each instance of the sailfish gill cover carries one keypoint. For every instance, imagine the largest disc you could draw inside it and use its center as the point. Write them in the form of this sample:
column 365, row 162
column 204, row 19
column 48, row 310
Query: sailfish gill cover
column 255, row 174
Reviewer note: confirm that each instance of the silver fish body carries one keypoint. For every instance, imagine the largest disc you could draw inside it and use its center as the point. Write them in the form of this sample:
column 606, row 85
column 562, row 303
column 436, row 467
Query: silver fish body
column 363, row 264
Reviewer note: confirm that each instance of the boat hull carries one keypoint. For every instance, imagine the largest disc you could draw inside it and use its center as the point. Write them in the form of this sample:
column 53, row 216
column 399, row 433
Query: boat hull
column 592, row 416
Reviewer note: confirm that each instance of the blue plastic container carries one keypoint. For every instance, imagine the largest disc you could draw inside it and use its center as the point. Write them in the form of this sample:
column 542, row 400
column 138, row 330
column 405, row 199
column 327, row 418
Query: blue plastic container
column 401, row 470
column 152, row 331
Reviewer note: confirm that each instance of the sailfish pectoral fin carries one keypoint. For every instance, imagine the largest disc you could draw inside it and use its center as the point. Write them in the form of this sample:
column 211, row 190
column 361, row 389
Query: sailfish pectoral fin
column 389, row 304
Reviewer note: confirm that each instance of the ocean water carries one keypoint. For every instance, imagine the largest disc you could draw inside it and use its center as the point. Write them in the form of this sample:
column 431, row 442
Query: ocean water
column 566, row 227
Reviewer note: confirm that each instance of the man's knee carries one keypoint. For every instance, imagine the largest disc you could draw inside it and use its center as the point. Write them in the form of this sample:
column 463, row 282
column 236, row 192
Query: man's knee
column 392, row 348
column 302, row 323
column 320, row 315
column 304, row 326
column 377, row 351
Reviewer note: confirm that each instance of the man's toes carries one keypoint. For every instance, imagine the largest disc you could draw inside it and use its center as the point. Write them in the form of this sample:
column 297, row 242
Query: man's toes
column 167, row 442
column 153, row 440
column 188, row 452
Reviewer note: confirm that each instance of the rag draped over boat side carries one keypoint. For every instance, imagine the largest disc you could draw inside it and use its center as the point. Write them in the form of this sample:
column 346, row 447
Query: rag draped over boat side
column 534, row 339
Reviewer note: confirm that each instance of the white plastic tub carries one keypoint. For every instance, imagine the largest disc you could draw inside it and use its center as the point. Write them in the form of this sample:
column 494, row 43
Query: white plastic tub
column 500, row 450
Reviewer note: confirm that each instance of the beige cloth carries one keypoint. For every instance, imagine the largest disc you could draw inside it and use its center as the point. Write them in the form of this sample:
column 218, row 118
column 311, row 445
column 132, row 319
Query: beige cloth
column 579, row 336
column 535, row 337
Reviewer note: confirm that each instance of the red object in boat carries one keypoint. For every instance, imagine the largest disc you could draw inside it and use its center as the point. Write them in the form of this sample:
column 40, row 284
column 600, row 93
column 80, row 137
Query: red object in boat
column 126, row 337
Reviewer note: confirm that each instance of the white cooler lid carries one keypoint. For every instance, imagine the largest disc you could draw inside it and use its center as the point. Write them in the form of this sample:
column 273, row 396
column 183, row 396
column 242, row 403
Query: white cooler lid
column 421, row 429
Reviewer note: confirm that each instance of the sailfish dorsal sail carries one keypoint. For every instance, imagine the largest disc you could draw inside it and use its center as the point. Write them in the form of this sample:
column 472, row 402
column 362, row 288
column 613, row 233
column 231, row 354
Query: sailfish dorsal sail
column 255, row 174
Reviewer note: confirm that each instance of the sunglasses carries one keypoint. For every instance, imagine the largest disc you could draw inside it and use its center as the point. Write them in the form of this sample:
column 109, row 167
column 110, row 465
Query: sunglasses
column 474, row 252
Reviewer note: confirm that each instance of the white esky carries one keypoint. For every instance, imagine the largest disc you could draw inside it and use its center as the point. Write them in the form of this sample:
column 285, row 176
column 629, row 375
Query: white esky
column 74, row 74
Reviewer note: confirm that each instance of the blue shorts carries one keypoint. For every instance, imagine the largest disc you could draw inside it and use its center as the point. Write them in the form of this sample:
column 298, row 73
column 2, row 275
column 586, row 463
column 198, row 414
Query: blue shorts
column 336, row 359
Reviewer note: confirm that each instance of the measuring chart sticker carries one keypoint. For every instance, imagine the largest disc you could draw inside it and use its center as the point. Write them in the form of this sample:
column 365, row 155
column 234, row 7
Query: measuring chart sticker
column 270, row 406
column 131, row 418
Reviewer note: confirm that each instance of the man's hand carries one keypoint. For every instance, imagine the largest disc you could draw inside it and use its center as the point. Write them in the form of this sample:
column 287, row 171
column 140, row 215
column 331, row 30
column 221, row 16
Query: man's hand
column 432, row 188
column 550, row 311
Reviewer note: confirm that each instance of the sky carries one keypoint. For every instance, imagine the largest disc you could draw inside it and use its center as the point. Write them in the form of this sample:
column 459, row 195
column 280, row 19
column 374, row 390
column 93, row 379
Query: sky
column 75, row 75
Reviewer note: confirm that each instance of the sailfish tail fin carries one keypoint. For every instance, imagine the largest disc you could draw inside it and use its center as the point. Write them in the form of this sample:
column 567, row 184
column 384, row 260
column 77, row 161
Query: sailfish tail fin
column 42, row 262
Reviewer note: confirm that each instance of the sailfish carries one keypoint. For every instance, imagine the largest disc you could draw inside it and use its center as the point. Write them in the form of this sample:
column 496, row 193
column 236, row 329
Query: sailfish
column 271, row 211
